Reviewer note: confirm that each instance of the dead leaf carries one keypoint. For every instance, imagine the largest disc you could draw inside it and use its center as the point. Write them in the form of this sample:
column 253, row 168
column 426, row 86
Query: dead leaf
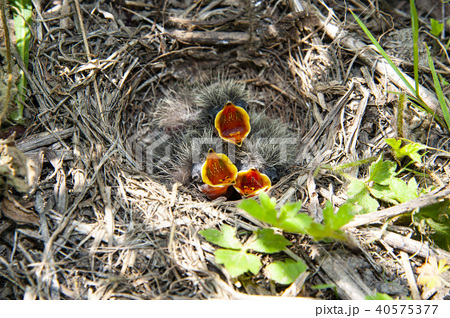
column 16, row 212
column 430, row 273
column 15, row 168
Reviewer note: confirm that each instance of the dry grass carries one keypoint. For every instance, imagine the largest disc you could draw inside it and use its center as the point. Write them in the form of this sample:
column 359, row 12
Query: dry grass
column 103, row 228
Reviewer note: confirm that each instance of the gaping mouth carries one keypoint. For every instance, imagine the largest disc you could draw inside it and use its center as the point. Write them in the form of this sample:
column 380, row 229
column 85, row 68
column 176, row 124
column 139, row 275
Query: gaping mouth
column 218, row 170
column 232, row 123
column 251, row 182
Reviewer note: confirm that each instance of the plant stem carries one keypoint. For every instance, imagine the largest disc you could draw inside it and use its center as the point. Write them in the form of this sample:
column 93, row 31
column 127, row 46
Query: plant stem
column 8, row 59
column 401, row 107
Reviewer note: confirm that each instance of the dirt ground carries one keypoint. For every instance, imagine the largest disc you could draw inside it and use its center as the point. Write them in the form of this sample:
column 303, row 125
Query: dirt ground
column 95, row 223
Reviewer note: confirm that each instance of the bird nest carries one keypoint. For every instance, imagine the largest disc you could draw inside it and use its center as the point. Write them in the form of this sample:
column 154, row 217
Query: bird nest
column 96, row 224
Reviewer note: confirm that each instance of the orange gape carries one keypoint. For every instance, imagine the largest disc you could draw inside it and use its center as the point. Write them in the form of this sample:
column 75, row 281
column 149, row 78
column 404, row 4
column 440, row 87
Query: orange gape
column 232, row 123
column 251, row 182
column 218, row 170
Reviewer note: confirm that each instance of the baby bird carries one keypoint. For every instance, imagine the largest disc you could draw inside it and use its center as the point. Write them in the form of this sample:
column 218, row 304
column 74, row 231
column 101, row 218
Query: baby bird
column 264, row 145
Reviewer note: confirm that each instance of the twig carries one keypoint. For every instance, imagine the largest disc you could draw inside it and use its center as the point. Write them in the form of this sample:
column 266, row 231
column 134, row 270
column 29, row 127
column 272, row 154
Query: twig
column 404, row 258
column 212, row 38
column 423, row 201
column 410, row 246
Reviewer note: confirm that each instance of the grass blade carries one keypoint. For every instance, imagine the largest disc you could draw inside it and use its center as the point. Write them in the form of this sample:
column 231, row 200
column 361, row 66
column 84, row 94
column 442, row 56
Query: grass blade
column 384, row 54
column 415, row 32
column 437, row 87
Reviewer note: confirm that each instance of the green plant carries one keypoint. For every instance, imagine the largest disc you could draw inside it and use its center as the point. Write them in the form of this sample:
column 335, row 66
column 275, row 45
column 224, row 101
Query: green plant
column 289, row 220
column 411, row 149
column 379, row 296
column 22, row 14
column 436, row 27
column 237, row 259
column 414, row 91
column 434, row 222
column 381, row 184
column 285, row 272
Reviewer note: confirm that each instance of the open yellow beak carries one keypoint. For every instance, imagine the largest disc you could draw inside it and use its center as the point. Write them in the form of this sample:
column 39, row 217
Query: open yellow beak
column 232, row 123
column 218, row 170
column 251, row 182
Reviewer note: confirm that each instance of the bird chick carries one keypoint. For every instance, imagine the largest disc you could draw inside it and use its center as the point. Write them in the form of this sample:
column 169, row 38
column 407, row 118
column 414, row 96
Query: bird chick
column 196, row 106
column 232, row 124
column 265, row 147
column 251, row 182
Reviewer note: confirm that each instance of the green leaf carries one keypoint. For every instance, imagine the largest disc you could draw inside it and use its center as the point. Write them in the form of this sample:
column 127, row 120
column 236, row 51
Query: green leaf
column 238, row 262
column 360, row 195
column 383, row 193
column 383, row 53
column 402, row 192
column 286, row 272
column 266, row 202
column 324, row 286
column 355, row 187
column 379, row 296
column 436, row 217
column 266, row 241
column 265, row 212
column 226, row 238
column 411, row 149
column 345, row 214
column 381, row 171
column 438, row 89
column 289, row 209
column 394, row 143
column 22, row 14
column 436, row 27
column 297, row 224
column 415, row 33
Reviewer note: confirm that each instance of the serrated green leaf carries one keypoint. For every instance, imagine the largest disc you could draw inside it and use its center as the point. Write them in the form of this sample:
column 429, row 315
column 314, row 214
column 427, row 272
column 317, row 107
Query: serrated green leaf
column 345, row 214
column 382, row 172
column 319, row 231
column 238, row 262
column 411, row 149
column 226, row 238
column 361, row 197
column 383, row 192
column 267, row 202
column 291, row 208
column 288, row 211
column 355, row 187
column 436, row 27
column 286, row 272
column 394, row 143
column 266, row 241
column 401, row 192
column 298, row 224
column 265, row 212
column 328, row 214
